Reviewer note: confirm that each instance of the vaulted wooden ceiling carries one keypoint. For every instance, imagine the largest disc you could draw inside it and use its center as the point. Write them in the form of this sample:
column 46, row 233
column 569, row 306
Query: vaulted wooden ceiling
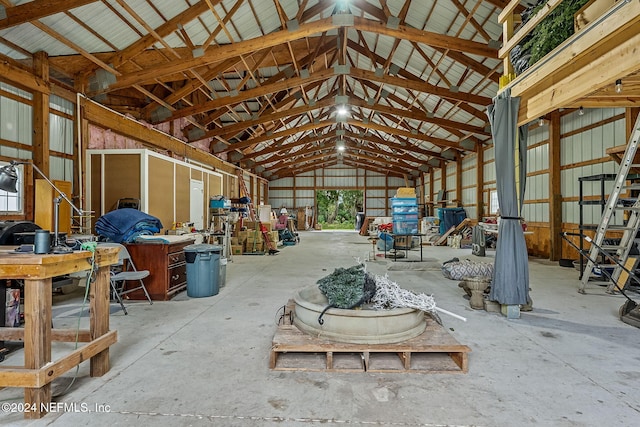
column 277, row 85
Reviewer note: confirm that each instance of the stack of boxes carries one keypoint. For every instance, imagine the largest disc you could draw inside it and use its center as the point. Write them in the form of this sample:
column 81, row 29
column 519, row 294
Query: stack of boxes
column 251, row 239
column 404, row 208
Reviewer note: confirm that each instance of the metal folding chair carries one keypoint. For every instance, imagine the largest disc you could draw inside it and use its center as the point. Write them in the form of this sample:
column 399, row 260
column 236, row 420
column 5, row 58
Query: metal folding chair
column 124, row 276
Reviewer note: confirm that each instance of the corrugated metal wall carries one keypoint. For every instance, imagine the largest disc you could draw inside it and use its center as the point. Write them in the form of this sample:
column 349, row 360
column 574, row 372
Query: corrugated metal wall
column 298, row 192
column 16, row 125
column 584, row 141
column 469, row 193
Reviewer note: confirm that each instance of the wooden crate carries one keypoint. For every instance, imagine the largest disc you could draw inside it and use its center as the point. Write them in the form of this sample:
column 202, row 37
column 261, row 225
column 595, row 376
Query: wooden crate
column 434, row 351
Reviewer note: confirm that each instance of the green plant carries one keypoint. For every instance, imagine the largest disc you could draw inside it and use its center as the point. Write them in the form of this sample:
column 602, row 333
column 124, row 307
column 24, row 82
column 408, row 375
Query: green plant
column 552, row 30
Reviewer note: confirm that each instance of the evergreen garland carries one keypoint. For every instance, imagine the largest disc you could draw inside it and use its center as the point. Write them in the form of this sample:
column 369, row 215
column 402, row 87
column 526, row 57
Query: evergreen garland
column 344, row 287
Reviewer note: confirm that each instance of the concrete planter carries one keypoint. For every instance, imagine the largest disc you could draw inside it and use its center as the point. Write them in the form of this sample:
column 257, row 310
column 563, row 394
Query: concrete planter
column 361, row 326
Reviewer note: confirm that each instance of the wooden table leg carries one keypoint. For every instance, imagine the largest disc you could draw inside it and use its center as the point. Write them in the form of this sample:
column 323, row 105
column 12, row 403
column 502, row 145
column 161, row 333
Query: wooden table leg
column 99, row 319
column 37, row 341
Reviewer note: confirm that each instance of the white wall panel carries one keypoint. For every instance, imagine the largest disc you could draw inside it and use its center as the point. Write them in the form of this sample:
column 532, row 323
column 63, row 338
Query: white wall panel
column 306, row 181
column 489, row 153
column 16, row 121
column 375, row 181
column 61, row 134
column 305, row 194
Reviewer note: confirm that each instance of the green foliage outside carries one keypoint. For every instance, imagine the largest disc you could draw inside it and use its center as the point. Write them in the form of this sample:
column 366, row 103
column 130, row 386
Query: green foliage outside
column 337, row 208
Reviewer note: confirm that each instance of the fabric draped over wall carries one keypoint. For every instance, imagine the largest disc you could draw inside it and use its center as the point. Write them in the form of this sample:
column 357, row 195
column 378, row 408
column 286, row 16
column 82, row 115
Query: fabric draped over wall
column 510, row 283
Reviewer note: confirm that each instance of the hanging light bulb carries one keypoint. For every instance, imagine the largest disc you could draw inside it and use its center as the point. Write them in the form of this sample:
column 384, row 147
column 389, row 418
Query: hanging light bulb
column 618, row 85
column 581, row 111
column 541, row 121
column 340, row 145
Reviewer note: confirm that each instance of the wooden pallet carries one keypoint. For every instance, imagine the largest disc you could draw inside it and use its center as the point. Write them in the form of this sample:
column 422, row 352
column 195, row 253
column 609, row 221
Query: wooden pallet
column 434, row 351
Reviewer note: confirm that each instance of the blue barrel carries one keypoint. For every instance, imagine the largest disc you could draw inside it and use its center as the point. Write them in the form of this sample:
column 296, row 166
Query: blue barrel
column 203, row 265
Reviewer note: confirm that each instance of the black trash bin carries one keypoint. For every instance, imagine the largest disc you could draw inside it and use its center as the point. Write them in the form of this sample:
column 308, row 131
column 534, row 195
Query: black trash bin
column 203, row 265
column 359, row 220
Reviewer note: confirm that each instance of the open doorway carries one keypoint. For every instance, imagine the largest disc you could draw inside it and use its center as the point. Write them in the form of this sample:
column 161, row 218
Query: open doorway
column 338, row 209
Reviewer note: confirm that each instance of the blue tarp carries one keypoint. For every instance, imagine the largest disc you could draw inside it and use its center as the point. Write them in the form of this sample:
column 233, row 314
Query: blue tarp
column 124, row 225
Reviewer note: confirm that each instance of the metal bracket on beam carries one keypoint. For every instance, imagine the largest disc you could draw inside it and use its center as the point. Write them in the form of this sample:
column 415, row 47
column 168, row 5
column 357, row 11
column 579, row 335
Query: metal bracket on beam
column 468, row 144
column 219, row 147
column 342, row 20
column 340, row 70
column 304, row 73
column 235, row 156
column 293, row 25
column 195, row 134
column 197, row 52
column 494, row 44
column 288, row 72
column 341, row 99
column 159, row 114
column 393, row 22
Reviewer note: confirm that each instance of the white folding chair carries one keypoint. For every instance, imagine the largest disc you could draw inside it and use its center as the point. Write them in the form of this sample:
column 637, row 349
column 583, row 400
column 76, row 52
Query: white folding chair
column 124, row 273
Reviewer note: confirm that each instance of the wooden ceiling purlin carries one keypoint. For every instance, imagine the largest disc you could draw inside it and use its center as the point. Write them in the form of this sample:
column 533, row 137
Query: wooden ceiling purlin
column 468, row 108
column 281, row 76
column 401, row 146
column 223, row 101
column 369, row 163
column 439, row 142
column 218, row 53
column 231, row 130
column 37, row 9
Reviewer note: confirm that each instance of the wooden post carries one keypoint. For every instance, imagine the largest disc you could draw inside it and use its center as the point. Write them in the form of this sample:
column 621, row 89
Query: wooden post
column 555, row 198
column 631, row 114
column 99, row 319
column 37, row 341
column 41, row 114
column 459, row 180
column 480, row 181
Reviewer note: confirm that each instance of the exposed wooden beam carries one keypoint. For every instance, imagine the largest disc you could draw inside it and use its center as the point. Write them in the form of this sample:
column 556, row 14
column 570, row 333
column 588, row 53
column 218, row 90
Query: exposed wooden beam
column 36, row 9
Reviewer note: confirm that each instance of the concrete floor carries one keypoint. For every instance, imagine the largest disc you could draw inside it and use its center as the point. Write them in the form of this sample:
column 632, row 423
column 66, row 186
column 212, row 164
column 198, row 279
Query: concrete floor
column 204, row 361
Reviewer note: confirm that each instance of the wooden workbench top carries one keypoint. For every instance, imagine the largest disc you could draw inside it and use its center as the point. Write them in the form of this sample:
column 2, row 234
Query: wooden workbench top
column 24, row 265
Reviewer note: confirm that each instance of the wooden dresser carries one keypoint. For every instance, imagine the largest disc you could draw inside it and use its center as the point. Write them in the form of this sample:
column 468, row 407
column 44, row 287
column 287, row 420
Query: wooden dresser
column 167, row 265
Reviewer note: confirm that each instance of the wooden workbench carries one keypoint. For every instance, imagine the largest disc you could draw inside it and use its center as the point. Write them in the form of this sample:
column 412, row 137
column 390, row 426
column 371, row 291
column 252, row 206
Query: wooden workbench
column 39, row 371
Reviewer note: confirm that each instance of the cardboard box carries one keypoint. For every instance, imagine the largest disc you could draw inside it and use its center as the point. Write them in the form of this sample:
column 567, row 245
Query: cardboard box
column 251, row 246
column 255, row 236
column 236, row 249
column 235, row 241
column 242, row 237
column 402, row 242
column 251, row 225
column 403, row 192
column 275, row 237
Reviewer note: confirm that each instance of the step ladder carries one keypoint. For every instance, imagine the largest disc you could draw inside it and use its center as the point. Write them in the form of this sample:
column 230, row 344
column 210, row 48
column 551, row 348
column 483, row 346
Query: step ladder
column 619, row 252
column 256, row 218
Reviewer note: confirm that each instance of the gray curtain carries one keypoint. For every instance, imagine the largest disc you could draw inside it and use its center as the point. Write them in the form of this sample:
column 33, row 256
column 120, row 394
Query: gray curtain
column 510, row 283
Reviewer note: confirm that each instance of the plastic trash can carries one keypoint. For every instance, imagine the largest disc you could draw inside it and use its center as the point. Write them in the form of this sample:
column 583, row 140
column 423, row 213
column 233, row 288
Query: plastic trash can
column 203, row 263
column 222, row 278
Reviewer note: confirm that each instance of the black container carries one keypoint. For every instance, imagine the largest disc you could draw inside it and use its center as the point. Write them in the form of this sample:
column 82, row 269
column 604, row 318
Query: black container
column 42, row 242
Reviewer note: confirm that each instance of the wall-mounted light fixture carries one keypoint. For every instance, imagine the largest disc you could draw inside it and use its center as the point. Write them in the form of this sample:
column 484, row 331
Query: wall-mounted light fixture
column 618, row 85
column 541, row 121
column 581, row 111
